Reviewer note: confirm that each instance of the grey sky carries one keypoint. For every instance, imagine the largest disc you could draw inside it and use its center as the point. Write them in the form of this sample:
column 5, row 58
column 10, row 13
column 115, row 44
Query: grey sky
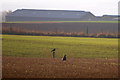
column 97, row 7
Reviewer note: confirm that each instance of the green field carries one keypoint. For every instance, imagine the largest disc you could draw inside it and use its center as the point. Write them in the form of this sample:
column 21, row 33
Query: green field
column 64, row 22
column 73, row 47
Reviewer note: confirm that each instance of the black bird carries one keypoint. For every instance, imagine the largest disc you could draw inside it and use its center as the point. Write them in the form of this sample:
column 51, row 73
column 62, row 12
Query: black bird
column 64, row 58
column 53, row 50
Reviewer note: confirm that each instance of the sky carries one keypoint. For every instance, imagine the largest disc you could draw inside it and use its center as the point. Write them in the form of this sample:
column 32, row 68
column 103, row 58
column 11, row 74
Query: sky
column 97, row 7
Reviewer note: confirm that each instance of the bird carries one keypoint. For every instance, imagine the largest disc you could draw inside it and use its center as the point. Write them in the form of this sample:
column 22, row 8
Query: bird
column 64, row 58
column 53, row 50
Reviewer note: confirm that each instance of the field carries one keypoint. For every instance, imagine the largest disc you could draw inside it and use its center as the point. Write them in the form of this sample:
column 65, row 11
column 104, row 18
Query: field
column 40, row 46
column 30, row 56
column 63, row 21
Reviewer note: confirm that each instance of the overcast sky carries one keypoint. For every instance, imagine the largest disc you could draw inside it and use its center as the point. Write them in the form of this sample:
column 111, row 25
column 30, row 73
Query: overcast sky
column 97, row 7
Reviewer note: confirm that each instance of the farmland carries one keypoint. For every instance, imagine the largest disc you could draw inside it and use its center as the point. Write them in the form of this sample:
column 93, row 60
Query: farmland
column 30, row 57
column 40, row 46
column 63, row 22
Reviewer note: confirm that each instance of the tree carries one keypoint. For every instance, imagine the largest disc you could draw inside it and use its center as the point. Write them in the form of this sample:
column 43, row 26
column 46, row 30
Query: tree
column 87, row 32
column 3, row 15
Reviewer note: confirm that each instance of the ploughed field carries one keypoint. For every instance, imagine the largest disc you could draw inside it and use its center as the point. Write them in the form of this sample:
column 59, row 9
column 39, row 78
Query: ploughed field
column 27, row 67
column 31, row 57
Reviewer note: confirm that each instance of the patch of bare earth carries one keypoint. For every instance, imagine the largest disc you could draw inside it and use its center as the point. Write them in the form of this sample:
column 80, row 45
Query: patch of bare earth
column 26, row 67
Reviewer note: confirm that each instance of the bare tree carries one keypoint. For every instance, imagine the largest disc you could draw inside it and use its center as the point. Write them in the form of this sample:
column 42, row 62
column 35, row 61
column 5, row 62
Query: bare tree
column 87, row 32
column 3, row 15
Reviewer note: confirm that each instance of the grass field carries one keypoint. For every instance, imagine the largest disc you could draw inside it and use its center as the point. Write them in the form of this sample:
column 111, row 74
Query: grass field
column 73, row 47
column 64, row 22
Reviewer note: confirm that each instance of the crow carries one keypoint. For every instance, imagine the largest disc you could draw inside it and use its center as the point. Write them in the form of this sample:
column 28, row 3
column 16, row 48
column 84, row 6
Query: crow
column 53, row 50
column 64, row 58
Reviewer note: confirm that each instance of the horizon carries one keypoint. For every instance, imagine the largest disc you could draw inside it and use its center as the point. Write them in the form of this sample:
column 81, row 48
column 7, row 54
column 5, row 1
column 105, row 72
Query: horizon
column 69, row 10
column 97, row 7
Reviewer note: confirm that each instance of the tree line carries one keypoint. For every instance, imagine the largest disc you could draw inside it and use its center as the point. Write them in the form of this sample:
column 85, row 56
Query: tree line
column 21, row 31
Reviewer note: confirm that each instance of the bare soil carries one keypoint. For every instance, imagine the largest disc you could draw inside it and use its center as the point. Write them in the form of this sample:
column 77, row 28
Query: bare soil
column 26, row 67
